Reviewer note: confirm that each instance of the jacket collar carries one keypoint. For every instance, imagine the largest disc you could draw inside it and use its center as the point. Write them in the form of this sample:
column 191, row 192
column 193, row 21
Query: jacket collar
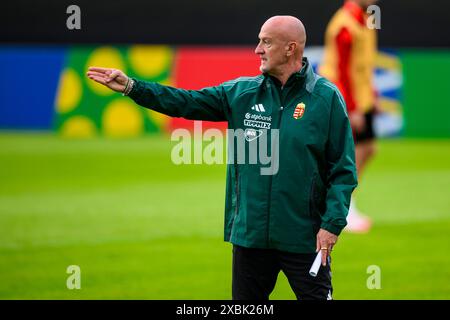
column 305, row 75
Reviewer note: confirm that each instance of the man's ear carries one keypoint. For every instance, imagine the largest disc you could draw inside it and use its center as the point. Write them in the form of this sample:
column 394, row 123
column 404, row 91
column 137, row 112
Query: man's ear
column 290, row 48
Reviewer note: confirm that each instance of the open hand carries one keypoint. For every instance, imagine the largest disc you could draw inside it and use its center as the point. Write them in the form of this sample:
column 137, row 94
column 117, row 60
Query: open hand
column 112, row 78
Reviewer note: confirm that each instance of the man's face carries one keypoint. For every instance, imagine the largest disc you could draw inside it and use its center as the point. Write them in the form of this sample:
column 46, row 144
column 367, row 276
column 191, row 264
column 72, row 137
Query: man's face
column 271, row 50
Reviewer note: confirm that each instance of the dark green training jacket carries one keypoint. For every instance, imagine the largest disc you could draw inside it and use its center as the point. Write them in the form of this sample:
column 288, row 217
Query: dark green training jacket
column 310, row 188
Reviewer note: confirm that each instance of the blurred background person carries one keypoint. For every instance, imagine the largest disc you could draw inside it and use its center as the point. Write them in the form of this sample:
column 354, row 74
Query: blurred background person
column 349, row 61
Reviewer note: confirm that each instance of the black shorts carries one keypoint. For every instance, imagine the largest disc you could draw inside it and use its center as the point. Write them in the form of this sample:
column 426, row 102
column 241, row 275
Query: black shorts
column 368, row 133
column 255, row 273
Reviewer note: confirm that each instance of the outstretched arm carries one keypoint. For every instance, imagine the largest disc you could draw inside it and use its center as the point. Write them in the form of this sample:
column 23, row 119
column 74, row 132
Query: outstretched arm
column 205, row 104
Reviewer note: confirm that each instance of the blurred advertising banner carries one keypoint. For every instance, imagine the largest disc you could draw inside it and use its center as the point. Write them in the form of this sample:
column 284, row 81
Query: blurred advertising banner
column 85, row 108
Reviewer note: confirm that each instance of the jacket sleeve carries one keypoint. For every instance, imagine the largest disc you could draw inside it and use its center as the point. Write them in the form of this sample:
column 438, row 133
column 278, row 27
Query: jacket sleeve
column 341, row 168
column 205, row 104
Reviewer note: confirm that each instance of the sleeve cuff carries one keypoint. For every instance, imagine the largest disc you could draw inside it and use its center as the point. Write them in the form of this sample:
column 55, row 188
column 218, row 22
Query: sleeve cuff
column 334, row 229
column 137, row 90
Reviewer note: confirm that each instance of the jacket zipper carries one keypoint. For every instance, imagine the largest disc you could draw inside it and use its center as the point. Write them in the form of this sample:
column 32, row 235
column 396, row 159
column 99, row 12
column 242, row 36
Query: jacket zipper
column 236, row 186
column 271, row 177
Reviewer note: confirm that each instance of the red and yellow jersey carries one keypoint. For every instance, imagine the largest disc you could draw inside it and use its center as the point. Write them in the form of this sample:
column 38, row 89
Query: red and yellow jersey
column 349, row 57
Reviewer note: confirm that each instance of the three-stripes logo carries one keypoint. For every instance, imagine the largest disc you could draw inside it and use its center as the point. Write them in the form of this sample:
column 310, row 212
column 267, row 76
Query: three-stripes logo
column 259, row 107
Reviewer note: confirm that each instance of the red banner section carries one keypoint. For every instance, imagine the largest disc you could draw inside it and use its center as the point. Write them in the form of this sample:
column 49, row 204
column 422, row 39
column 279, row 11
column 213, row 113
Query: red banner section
column 199, row 67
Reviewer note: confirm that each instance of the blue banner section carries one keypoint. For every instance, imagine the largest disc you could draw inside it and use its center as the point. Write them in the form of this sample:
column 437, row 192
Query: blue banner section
column 28, row 85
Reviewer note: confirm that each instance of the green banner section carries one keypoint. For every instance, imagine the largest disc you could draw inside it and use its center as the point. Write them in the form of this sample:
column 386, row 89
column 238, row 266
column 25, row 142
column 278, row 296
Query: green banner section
column 426, row 93
column 85, row 108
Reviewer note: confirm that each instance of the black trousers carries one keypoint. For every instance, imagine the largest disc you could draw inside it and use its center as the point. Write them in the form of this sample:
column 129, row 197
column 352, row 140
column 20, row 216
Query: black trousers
column 255, row 273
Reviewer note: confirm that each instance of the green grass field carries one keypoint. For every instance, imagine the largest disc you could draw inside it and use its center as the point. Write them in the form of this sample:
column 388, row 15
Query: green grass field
column 141, row 227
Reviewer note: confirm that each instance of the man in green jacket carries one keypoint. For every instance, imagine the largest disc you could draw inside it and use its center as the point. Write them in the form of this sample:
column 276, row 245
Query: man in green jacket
column 277, row 218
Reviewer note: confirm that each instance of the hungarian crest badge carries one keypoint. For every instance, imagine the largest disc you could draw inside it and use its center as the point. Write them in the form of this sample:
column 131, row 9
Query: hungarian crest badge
column 299, row 111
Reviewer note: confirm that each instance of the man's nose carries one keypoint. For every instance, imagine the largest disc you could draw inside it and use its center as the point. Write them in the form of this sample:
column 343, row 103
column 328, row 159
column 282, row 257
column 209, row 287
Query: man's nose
column 258, row 50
